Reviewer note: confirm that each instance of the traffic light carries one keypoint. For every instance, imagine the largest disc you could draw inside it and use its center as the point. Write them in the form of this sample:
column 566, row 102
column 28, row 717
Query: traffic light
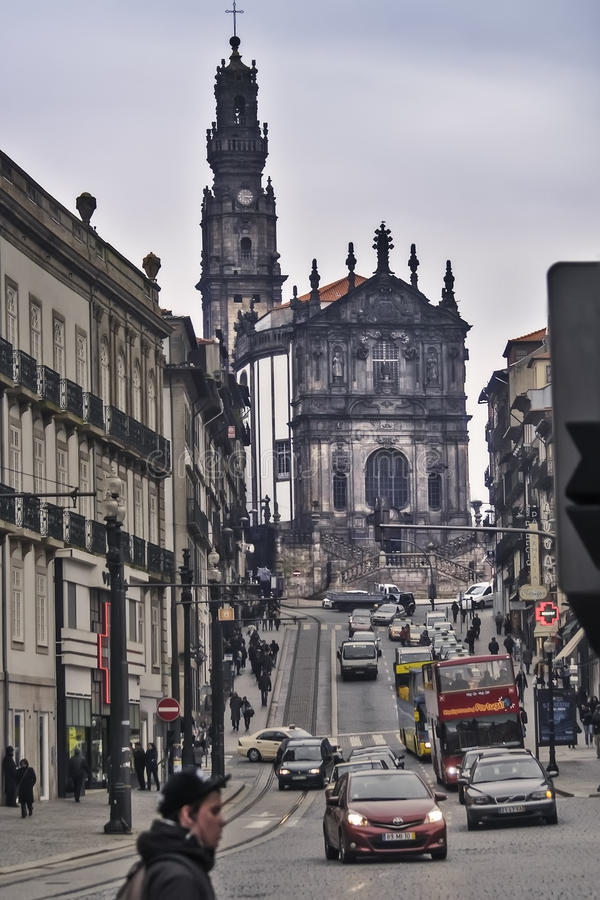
column 574, row 325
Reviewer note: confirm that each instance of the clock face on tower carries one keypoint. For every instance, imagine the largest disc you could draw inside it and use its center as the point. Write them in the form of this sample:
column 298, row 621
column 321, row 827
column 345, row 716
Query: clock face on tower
column 245, row 197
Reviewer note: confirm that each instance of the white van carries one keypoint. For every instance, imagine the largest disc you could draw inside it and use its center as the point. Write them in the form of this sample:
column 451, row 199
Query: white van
column 358, row 659
column 479, row 595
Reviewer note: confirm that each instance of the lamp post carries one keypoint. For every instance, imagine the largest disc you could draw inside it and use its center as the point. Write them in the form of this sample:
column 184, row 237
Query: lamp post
column 548, row 650
column 216, row 672
column 187, row 756
column 120, row 768
column 430, row 559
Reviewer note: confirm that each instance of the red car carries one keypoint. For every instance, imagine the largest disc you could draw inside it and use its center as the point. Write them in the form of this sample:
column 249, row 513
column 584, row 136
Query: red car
column 383, row 813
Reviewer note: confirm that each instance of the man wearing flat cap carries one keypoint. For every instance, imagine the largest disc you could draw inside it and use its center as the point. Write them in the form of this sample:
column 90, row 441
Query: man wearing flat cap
column 179, row 849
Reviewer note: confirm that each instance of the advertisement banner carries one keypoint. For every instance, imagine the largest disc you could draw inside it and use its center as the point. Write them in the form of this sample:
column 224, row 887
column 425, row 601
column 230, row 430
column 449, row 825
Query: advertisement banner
column 565, row 717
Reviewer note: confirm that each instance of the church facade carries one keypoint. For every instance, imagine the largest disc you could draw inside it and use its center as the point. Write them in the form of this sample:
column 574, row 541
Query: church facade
column 358, row 388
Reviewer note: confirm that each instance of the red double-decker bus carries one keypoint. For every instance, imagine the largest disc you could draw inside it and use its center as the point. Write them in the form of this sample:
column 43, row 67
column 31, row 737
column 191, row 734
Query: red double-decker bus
column 471, row 701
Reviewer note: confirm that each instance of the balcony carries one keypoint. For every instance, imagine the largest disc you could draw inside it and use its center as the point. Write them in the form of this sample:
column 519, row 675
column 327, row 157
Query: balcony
column 141, row 437
column 542, row 475
column 25, row 370
column 75, row 530
column 96, row 537
column 138, row 551
column 125, row 546
column 6, row 358
column 154, row 558
column 117, row 424
column 28, row 513
column 93, row 410
column 52, row 521
column 169, row 563
column 197, row 521
column 48, row 385
column 162, row 454
column 71, row 398
column 7, row 503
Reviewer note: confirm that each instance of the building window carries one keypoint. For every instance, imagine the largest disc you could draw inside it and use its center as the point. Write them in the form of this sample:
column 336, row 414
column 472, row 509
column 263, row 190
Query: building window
column 239, row 111
column 97, row 600
column 136, row 392
column 187, row 425
column 85, row 503
column 71, row 604
column 385, row 366
column 39, row 457
column 138, row 516
column 246, row 248
column 12, row 313
column 387, row 478
column 282, row 459
column 58, row 332
column 62, row 467
column 41, row 609
column 548, row 374
column 339, row 491
column 15, row 466
column 105, row 372
column 434, row 490
column 121, row 382
column 155, row 636
column 35, row 331
column 132, row 623
column 16, row 602
column 81, row 359
column 153, row 511
column 152, row 401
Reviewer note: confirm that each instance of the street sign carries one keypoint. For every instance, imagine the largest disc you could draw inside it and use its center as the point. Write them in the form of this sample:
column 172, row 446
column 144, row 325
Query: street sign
column 533, row 592
column 226, row 614
column 167, row 709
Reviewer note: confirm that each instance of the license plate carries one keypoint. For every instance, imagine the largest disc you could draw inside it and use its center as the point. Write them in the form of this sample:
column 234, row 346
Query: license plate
column 298, row 777
column 399, row 836
column 511, row 810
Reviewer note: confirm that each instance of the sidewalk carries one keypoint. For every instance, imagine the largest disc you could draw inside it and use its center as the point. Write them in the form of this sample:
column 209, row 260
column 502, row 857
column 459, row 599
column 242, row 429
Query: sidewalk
column 62, row 829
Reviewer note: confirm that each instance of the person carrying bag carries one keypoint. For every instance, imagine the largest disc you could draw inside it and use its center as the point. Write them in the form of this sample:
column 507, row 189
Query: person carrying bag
column 247, row 711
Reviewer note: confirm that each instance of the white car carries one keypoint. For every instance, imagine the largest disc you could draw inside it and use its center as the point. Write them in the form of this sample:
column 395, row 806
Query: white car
column 479, row 595
column 327, row 603
column 384, row 614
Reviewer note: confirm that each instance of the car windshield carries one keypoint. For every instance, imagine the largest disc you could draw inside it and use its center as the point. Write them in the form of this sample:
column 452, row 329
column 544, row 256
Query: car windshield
column 359, row 651
column 338, row 771
column 298, row 753
column 505, row 770
column 405, row 786
column 473, row 676
column 487, row 731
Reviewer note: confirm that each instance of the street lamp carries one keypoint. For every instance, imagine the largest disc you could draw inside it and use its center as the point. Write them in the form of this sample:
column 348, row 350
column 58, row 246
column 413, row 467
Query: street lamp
column 216, row 673
column 548, row 651
column 430, row 560
column 187, row 576
column 120, row 768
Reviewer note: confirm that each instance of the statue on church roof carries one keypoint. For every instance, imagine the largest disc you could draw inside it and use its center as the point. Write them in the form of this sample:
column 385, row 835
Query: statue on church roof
column 383, row 245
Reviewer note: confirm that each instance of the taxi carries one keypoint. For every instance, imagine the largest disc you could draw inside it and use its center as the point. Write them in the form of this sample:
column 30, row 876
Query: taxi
column 264, row 744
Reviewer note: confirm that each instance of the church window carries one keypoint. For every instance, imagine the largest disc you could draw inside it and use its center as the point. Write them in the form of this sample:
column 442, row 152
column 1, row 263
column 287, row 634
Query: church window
column 246, row 248
column 387, row 478
column 385, row 366
column 282, row 459
column 237, row 298
column 239, row 111
column 434, row 490
column 339, row 490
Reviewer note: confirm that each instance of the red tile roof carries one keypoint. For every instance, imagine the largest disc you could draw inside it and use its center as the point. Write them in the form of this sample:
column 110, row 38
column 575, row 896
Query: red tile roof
column 532, row 336
column 330, row 292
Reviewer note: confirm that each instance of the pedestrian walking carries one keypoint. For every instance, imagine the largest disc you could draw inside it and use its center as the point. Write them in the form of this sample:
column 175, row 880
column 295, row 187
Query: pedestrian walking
column 178, row 851
column 235, row 705
column 494, row 646
column 26, row 778
column 463, row 610
column 585, row 714
column 9, row 777
column 152, row 766
column 523, row 715
column 509, row 644
column 476, row 624
column 264, row 684
column 507, row 625
column 78, row 771
column 527, row 656
column 499, row 620
column 455, row 611
column 274, row 647
column 424, row 640
column 521, row 683
column 404, row 636
column 596, row 729
column 247, row 712
column 139, row 765
column 470, row 639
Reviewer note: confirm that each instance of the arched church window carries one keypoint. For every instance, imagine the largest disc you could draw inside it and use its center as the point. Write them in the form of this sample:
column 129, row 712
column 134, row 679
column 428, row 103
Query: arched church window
column 434, row 490
column 246, row 247
column 385, row 366
column 239, row 111
column 387, row 478
column 340, row 485
column 244, row 379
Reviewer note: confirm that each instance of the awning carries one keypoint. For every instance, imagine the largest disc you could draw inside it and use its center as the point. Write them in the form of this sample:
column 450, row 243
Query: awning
column 568, row 649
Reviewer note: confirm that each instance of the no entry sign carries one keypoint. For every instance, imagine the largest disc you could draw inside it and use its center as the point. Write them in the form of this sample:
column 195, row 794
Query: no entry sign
column 167, row 709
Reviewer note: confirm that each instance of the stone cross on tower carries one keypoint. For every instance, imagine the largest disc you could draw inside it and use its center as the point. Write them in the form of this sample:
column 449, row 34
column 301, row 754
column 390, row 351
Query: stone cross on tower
column 235, row 12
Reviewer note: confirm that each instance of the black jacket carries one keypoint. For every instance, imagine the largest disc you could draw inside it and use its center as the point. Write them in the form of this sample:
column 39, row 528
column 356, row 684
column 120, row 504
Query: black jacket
column 9, row 770
column 168, row 879
column 78, row 768
column 26, row 778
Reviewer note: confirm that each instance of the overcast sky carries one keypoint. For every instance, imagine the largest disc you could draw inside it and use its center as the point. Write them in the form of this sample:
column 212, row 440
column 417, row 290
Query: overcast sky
column 471, row 127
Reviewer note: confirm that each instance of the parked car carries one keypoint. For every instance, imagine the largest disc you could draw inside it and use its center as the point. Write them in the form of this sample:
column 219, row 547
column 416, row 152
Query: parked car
column 384, row 814
column 305, row 763
column 384, row 614
column 511, row 787
column 264, row 744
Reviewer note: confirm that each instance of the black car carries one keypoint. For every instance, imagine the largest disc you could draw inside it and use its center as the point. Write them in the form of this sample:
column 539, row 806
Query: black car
column 507, row 788
column 305, row 763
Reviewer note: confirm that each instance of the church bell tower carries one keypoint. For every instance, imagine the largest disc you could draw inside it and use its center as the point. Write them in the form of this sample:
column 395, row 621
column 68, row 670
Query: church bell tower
column 240, row 263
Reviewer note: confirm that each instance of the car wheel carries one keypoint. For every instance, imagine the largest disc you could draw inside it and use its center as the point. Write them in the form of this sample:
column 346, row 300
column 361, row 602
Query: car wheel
column 330, row 852
column 439, row 854
column 281, row 786
column 254, row 755
column 470, row 822
column 346, row 855
column 461, row 794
